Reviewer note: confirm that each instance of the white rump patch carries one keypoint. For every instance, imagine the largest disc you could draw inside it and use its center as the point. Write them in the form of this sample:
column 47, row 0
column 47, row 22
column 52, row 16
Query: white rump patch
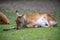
column 41, row 21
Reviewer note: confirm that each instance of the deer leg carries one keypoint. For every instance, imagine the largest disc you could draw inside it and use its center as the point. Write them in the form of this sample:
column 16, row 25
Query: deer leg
column 48, row 21
column 31, row 24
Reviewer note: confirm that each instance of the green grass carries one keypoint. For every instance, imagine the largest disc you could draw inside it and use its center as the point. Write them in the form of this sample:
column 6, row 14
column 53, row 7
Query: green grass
column 28, row 33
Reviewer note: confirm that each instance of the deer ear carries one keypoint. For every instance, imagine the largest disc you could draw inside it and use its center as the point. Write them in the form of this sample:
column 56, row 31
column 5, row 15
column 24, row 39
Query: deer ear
column 17, row 14
column 21, row 15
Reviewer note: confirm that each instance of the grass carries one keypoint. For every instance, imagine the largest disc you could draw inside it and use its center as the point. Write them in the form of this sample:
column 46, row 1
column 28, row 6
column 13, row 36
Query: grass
column 28, row 33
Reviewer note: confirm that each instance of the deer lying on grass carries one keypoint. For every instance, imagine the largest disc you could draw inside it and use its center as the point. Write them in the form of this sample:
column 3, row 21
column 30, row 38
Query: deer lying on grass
column 36, row 19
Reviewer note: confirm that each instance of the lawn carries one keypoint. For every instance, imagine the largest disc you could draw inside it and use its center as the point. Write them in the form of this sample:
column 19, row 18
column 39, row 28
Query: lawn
column 28, row 33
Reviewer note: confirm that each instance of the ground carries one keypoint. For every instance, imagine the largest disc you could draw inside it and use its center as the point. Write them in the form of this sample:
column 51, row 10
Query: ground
column 8, row 8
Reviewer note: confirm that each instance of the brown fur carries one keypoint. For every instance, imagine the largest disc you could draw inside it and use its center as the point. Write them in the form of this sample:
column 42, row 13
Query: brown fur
column 30, row 19
column 3, row 19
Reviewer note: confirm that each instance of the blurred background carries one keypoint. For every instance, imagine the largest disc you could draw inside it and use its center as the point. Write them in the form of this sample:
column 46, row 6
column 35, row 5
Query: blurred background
column 30, row 5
